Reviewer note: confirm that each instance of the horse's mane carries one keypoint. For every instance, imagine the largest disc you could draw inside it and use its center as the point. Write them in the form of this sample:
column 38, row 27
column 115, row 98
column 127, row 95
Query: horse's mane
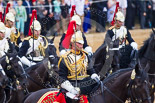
column 143, row 49
column 2, row 58
column 100, row 49
column 33, row 67
column 117, row 73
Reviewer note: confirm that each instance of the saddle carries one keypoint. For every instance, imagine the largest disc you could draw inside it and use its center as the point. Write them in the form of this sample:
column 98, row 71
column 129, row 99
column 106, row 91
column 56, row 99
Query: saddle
column 59, row 97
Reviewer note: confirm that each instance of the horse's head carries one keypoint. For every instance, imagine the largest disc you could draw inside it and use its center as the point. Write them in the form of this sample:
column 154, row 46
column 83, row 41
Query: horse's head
column 14, row 64
column 3, row 78
column 52, row 48
column 15, row 67
column 139, row 86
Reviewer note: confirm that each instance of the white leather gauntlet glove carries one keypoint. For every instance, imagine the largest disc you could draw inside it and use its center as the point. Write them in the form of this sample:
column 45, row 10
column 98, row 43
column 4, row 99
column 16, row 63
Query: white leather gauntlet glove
column 95, row 77
column 134, row 45
column 25, row 61
column 69, row 87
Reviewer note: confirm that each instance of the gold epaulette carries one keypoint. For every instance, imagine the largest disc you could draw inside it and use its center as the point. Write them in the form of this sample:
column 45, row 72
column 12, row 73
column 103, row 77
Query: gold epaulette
column 111, row 27
column 27, row 38
column 63, row 56
column 59, row 62
column 14, row 37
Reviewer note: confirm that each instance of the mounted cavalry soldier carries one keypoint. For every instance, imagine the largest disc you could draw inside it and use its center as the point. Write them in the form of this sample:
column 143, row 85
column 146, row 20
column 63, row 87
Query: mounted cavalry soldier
column 77, row 19
column 11, row 32
column 73, row 68
column 120, row 32
column 33, row 47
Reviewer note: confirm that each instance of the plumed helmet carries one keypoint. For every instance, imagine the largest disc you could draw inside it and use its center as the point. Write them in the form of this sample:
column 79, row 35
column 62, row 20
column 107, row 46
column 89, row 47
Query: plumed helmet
column 2, row 27
column 77, row 19
column 37, row 25
column 10, row 16
column 77, row 37
column 120, row 16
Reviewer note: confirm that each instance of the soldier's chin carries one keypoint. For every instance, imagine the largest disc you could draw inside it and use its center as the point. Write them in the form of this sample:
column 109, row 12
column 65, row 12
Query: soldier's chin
column 80, row 49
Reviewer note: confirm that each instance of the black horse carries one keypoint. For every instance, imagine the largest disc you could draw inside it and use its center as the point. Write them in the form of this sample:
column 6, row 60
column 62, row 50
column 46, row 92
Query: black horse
column 110, row 57
column 12, row 67
column 39, row 76
column 3, row 83
column 147, row 57
column 116, row 88
column 14, row 71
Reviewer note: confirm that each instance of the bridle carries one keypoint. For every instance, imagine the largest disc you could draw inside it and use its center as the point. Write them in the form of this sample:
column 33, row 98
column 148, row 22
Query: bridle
column 133, row 96
column 9, row 66
column 130, row 87
column 15, row 76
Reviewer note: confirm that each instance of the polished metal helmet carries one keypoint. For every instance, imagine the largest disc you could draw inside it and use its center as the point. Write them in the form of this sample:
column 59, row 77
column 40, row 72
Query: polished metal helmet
column 10, row 16
column 77, row 19
column 37, row 25
column 120, row 16
column 77, row 37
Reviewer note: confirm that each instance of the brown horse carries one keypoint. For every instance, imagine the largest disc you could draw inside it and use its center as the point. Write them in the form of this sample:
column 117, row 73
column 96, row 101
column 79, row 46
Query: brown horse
column 147, row 57
column 116, row 88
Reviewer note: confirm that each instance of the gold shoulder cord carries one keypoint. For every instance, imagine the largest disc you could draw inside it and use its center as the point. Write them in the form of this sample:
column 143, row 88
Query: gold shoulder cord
column 41, row 47
column 27, row 38
column 59, row 62
column 14, row 37
column 79, row 68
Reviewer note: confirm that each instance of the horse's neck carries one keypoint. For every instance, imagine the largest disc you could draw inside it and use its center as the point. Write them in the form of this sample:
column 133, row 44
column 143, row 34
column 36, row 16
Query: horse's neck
column 42, row 69
column 144, row 62
column 120, row 83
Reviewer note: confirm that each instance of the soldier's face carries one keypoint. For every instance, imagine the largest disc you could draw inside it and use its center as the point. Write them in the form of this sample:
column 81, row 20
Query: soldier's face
column 119, row 23
column 78, row 46
column 37, row 32
column 77, row 27
column 2, row 35
column 10, row 23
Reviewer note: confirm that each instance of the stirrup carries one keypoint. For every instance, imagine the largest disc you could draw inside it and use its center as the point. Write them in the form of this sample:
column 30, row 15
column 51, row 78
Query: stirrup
column 72, row 96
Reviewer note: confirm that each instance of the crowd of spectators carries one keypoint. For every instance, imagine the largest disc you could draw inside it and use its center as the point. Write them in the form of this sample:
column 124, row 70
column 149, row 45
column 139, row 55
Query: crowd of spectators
column 55, row 14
